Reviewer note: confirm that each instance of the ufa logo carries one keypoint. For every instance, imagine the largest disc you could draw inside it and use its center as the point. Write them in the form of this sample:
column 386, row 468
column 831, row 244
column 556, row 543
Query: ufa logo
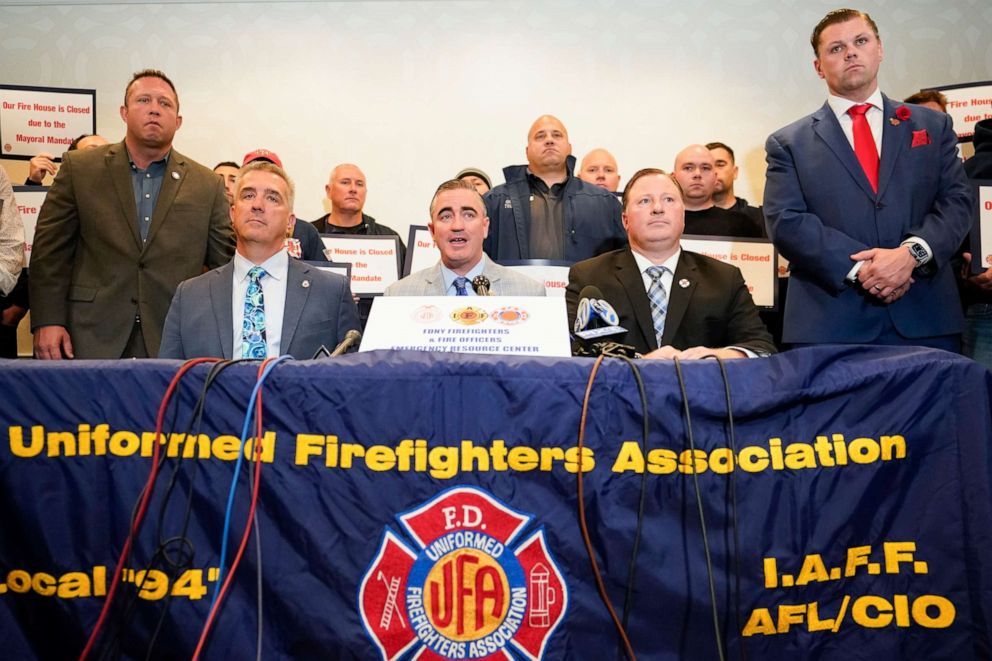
column 465, row 589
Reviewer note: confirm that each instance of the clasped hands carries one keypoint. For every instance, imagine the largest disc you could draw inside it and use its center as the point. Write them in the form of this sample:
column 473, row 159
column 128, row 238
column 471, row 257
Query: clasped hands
column 669, row 352
column 886, row 273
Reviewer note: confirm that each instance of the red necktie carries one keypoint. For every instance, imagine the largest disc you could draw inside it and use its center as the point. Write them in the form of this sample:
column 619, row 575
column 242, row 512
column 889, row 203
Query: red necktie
column 864, row 143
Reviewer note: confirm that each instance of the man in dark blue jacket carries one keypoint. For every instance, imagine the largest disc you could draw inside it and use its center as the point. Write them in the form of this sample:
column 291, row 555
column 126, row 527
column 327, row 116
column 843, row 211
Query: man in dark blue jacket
column 544, row 212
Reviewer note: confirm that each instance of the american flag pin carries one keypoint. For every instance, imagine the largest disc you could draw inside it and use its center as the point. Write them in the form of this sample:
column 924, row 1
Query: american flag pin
column 305, row 284
column 175, row 175
column 683, row 283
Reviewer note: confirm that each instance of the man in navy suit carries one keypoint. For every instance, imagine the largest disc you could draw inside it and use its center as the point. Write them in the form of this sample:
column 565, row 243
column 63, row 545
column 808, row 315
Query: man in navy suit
column 868, row 201
column 263, row 303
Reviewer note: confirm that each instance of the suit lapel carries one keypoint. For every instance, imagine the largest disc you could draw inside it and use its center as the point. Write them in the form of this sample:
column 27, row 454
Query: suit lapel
column 678, row 297
column 119, row 167
column 894, row 143
column 296, row 298
column 176, row 163
column 434, row 282
column 630, row 279
column 221, row 291
column 495, row 289
column 826, row 126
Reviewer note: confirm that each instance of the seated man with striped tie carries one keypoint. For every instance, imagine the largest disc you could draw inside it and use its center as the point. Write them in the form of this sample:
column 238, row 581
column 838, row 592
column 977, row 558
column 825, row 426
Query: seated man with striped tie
column 673, row 303
column 261, row 304
column 459, row 225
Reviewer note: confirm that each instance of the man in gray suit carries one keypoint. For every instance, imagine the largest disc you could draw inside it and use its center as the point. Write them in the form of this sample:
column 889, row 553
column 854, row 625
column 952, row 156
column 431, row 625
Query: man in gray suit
column 121, row 227
column 459, row 225
column 262, row 303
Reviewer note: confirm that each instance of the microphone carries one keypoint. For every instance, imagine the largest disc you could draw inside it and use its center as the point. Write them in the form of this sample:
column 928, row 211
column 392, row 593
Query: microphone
column 596, row 318
column 350, row 338
column 592, row 313
column 480, row 284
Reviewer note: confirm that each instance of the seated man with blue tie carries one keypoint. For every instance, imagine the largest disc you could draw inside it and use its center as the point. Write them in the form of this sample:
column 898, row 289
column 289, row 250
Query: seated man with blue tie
column 459, row 225
column 262, row 303
column 673, row 303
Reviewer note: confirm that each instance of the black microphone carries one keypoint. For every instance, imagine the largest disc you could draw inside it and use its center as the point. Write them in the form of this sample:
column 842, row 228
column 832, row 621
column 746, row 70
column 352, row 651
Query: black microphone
column 480, row 284
column 350, row 338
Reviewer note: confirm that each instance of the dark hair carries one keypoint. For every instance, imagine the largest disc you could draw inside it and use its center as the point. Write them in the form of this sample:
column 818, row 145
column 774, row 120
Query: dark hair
column 74, row 145
column 719, row 145
column 229, row 164
column 455, row 184
column 924, row 96
column 150, row 73
column 646, row 172
column 839, row 16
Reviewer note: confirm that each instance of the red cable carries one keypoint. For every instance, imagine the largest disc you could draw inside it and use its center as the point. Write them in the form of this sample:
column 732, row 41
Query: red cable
column 145, row 498
column 257, row 459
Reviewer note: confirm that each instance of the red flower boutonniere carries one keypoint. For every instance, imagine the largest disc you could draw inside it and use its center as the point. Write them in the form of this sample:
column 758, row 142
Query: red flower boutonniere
column 902, row 114
column 920, row 138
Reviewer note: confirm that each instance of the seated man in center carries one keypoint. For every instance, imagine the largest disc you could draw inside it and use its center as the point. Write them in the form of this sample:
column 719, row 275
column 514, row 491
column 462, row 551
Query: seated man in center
column 459, row 225
column 673, row 303
column 262, row 303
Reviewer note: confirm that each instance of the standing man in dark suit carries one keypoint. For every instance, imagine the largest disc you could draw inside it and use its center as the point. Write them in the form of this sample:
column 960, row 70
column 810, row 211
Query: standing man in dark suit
column 263, row 303
column 121, row 227
column 673, row 303
column 543, row 211
column 867, row 200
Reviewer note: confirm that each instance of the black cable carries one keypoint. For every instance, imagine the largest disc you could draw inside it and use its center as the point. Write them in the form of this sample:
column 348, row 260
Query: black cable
column 702, row 516
column 194, row 428
column 732, row 441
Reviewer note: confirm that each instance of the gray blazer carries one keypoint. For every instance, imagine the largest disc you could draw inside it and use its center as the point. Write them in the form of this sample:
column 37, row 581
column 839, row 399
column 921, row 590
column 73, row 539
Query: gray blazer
column 502, row 282
column 200, row 320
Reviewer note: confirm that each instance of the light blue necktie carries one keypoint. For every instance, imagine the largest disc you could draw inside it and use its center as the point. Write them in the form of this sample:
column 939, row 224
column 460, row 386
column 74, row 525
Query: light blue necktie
column 460, row 283
column 659, row 300
column 253, row 325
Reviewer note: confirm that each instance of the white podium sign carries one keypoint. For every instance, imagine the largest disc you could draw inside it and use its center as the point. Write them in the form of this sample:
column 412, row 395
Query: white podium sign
column 756, row 258
column 502, row 325
column 375, row 260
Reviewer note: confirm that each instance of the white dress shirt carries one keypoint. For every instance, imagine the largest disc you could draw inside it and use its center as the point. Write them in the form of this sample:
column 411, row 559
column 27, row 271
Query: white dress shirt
column 273, row 292
column 875, row 117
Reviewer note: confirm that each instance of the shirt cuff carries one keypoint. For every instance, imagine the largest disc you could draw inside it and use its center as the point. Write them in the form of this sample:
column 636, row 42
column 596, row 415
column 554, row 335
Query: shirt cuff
column 852, row 275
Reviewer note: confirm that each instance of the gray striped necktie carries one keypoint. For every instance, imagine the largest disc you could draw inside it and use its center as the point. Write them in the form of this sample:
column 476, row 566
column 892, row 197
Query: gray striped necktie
column 659, row 300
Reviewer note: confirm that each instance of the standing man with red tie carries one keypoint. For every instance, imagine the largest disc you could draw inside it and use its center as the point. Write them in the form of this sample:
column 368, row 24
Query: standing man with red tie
column 868, row 201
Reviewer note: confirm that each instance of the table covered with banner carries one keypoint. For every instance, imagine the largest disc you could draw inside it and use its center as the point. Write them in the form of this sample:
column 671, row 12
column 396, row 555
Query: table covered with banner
column 417, row 505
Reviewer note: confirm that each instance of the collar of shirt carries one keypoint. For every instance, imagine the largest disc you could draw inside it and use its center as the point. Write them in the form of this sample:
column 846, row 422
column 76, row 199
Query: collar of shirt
column 448, row 276
column 875, row 118
column 537, row 185
column 274, row 291
column 643, row 264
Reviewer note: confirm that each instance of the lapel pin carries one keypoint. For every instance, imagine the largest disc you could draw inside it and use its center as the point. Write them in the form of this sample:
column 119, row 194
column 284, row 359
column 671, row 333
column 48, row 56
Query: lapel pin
column 683, row 283
column 305, row 284
column 175, row 175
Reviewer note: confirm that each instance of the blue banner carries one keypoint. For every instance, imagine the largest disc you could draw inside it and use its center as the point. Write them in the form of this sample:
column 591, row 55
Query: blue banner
column 422, row 505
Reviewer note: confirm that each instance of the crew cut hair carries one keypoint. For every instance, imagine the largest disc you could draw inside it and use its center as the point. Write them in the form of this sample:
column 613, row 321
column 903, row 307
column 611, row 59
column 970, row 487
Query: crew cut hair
column 839, row 16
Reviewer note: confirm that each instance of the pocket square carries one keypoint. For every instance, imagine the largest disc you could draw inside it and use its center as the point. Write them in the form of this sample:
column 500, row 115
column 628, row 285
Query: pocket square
column 920, row 138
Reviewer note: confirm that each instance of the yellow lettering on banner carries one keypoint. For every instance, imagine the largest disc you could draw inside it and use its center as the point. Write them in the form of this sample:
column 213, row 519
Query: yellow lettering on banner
column 380, row 458
column 692, row 461
column 864, row 450
column 753, row 459
column 43, row 584
column 74, row 584
column 227, row 447
column 522, row 459
column 309, row 445
column 771, row 573
column 882, row 612
column 549, row 456
column 63, row 442
column 800, row 455
column 124, row 443
column 857, row 556
column 629, row 458
column 814, row 623
column 901, row 603
column 721, row 461
column 19, row 581
column 575, row 463
column 789, row 614
column 662, row 461
column 897, row 553
column 17, row 447
column 775, row 449
column 945, row 611
column 813, row 570
column 471, row 454
column 443, row 462
column 893, row 447
column 760, row 622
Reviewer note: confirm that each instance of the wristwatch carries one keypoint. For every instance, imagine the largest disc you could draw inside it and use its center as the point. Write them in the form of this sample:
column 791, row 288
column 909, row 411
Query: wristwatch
column 919, row 253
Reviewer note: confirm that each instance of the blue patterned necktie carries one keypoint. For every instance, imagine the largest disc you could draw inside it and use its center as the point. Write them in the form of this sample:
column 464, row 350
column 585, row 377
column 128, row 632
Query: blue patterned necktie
column 659, row 300
column 460, row 283
column 253, row 325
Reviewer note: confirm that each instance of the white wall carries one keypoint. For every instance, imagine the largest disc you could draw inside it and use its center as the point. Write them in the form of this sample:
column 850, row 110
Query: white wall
column 414, row 91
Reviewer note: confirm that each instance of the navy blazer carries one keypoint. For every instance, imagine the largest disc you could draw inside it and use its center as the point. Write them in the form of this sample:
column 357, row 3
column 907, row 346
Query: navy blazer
column 319, row 311
column 820, row 210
